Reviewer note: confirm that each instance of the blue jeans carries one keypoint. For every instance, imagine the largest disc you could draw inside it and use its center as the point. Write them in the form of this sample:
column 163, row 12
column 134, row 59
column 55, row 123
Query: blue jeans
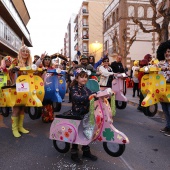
column 166, row 110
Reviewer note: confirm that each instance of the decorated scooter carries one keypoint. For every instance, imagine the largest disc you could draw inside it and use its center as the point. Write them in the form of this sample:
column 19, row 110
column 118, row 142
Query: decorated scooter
column 66, row 129
column 119, row 88
column 28, row 91
column 154, row 89
column 55, row 87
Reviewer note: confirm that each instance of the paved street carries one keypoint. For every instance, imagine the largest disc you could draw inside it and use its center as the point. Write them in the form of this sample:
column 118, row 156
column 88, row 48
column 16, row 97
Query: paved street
column 148, row 149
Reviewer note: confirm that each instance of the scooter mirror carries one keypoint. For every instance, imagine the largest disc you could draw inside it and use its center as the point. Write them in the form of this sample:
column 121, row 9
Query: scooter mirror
column 58, row 70
column 34, row 67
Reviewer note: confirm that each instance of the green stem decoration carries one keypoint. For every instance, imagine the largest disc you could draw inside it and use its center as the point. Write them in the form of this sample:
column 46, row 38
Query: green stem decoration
column 113, row 105
column 92, row 120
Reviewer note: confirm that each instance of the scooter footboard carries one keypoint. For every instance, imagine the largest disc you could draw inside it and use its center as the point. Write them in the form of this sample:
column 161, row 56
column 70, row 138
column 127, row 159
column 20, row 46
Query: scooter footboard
column 62, row 130
column 111, row 134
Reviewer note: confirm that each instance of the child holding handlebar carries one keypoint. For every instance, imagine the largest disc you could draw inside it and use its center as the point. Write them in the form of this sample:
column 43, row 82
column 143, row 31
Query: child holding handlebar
column 80, row 107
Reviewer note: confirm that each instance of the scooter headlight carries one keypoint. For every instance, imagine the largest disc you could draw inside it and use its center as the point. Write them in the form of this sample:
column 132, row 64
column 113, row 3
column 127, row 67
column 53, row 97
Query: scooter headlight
column 58, row 70
column 34, row 67
column 34, row 92
column 57, row 90
column 146, row 69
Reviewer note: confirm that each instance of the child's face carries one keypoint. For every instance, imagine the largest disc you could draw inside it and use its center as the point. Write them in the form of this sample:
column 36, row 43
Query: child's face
column 47, row 62
column 82, row 80
column 8, row 63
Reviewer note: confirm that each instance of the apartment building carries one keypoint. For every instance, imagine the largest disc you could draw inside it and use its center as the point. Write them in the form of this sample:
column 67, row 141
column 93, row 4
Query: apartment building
column 69, row 39
column 119, row 30
column 89, row 28
column 14, row 17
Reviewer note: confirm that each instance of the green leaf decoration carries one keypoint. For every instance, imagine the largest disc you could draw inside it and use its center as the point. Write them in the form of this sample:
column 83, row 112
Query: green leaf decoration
column 108, row 134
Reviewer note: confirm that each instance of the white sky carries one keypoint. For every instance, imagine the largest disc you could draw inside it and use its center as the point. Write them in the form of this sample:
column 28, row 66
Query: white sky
column 48, row 23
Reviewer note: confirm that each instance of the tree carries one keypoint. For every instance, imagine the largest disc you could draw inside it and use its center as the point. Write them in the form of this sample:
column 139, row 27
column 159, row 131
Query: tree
column 127, row 41
column 160, row 10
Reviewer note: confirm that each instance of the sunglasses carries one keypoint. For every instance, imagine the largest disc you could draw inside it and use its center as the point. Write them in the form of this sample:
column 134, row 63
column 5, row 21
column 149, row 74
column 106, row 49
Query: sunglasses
column 106, row 61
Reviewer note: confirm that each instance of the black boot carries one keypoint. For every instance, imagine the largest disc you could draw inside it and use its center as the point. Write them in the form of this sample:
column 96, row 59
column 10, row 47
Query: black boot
column 88, row 155
column 76, row 159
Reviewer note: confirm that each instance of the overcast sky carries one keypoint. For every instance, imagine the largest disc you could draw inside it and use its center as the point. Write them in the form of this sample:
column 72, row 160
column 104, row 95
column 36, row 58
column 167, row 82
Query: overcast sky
column 48, row 23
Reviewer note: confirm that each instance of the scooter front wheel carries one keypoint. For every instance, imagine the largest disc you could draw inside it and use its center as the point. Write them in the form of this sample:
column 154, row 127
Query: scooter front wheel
column 114, row 149
column 56, row 106
column 150, row 110
column 35, row 112
column 121, row 104
column 62, row 147
column 5, row 111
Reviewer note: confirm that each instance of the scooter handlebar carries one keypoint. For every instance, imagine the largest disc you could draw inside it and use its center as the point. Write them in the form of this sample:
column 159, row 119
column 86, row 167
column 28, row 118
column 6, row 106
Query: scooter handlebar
column 105, row 93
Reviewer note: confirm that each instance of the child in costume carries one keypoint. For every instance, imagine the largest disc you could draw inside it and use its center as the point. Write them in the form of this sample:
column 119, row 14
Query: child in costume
column 163, row 55
column 80, row 107
column 24, row 59
column 47, row 114
column 135, row 70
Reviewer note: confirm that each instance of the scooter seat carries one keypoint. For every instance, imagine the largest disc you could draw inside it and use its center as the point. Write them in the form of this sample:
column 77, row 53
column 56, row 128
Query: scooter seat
column 68, row 115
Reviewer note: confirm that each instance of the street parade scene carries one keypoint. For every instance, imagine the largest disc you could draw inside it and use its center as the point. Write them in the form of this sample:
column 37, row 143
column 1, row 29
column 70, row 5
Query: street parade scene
column 102, row 102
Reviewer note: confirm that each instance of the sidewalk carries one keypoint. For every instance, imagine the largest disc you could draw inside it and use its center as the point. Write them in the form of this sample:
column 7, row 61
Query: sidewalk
column 135, row 101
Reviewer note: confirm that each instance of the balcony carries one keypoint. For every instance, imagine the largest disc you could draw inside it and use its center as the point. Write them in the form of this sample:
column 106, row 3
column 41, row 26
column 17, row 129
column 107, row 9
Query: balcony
column 85, row 25
column 76, row 28
column 85, row 12
column 85, row 37
column 75, row 37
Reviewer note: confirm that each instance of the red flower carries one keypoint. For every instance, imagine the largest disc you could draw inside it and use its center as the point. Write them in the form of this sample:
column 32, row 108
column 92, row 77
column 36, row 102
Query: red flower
column 100, row 138
column 36, row 87
column 61, row 138
column 69, row 130
column 143, row 84
column 98, row 119
column 33, row 102
column 41, row 84
column 25, row 95
column 15, row 93
column 143, row 103
column 18, row 100
column 153, row 95
column 66, row 134
column 157, row 90
column 124, row 141
column 30, row 100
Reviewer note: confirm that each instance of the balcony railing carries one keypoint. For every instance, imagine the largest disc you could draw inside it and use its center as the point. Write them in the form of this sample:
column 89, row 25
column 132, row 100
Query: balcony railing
column 85, row 12
column 8, row 4
column 85, row 37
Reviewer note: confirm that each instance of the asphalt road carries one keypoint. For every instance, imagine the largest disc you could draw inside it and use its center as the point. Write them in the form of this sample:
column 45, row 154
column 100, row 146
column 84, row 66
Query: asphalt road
column 148, row 149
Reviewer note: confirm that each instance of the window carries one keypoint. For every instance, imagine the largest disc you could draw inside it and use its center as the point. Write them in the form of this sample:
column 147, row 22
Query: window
column 1, row 28
column 106, row 45
column 114, row 19
column 149, row 12
column 117, row 14
column 140, row 12
column 131, row 11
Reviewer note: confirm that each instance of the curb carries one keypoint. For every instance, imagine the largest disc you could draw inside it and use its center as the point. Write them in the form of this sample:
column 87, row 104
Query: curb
column 160, row 113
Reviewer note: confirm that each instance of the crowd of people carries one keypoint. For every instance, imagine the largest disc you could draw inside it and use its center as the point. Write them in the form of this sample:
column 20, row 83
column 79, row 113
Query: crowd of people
column 76, row 77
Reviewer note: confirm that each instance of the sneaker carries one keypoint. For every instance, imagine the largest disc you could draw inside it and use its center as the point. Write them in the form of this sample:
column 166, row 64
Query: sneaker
column 89, row 156
column 167, row 133
column 76, row 159
column 166, row 129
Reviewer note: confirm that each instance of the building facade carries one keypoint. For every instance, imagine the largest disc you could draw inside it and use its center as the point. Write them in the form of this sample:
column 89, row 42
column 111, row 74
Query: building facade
column 89, row 28
column 13, row 31
column 119, row 30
